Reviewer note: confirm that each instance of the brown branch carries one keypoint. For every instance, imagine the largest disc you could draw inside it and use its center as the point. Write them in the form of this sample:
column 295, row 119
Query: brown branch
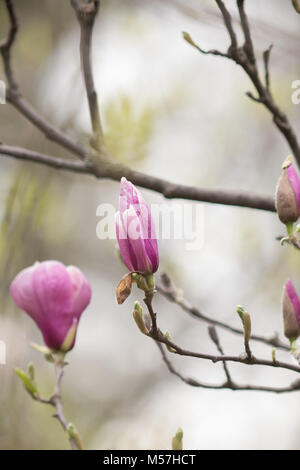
column 248, row 46
column 114, row 171
column 243, row 359
column 55, row 162
column 6, row 44
column 50, row 131
column 14, row 97
column 296, row 5
column 245, row 57
column 188, row 39
column 86, row 14
column 159, row 337
column 56, row 402
column 295, row 386
column 169, row 291
column 104, row 168
column 215, row 339
column 292, row 240
column 266, row 58
column 228, row 23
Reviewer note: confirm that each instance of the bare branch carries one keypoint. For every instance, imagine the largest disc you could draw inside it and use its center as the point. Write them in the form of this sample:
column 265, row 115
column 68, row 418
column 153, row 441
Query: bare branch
column 56, row 402
column 13, row 94
column 188, row 39
column 296, row 5
column 114, row 171
column 55, row 162
column 245, row 57
column 104, row 167
column 215, row 339
column 240, row 359
column 248, row 46
column 228, row 23
column 266, row 58
column 7, row 43
column 50, row 131
column 156, row 334
column 254, row 98
column 295, row 386
column 86, row 14
column 169, row 291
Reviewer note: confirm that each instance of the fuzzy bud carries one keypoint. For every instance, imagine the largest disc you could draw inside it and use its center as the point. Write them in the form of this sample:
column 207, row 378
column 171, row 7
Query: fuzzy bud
column 291, row 311
column 287, row 198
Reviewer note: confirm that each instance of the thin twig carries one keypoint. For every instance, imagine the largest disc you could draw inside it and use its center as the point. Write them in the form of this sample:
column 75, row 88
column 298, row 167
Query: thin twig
column 7, row 43
column 245, row 359
column 114, row 171
column 56, row 402
column 215, row 338
column 293, row 387
column 14, row 96
column 242, row 359
column 169, row 291
column 266, row 58
column 296, row 5
column 37, row 157
column 105, row 167
column 248, row 46
column 228, row 23
column 86, row 14
column 245, row 57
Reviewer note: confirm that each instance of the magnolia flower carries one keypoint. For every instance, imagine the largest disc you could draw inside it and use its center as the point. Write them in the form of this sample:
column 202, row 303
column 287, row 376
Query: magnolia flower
column 135, row 231
column 291, row 311
column 54, row 296
column 287, row 199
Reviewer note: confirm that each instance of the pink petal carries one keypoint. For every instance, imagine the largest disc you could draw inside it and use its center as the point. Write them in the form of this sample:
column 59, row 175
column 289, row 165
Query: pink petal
column 23, row 293
column 53, row 289
column 136, row 231
column 137, row 247
column 293, row 296
column 81, row 291
column 295, row 182
column 123, row 243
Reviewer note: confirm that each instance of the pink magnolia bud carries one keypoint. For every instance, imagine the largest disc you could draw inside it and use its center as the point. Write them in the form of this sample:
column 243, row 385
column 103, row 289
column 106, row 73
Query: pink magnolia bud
column 135, row 231
column 54, row 296
column 291, row 311
column 287, row 197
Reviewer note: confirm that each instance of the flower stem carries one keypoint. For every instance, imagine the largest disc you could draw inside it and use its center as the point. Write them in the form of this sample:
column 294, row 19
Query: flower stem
column 56, row 401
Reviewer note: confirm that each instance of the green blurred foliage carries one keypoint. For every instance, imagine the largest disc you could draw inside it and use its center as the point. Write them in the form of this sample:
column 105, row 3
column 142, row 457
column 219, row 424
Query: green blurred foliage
column 129, row 127
column 128, row 130
column 37, row 32
column 29, row 223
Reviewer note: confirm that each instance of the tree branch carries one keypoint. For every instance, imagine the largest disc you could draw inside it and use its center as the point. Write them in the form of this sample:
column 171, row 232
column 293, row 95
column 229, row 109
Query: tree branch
column 86, row 14
column 266, row 58
column 14, row 97
column 296, row 5
column 161, row 339
column 169, row 291
column 245, row 57
column 103, row 167
column 56, row 402
column 54, row 162
column 156, row 334
column 215, row 339
column 228, row 23
column 293, row 387
column 114, row 171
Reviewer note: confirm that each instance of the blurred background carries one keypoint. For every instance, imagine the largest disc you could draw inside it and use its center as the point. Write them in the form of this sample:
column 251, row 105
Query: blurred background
column 171, row 112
